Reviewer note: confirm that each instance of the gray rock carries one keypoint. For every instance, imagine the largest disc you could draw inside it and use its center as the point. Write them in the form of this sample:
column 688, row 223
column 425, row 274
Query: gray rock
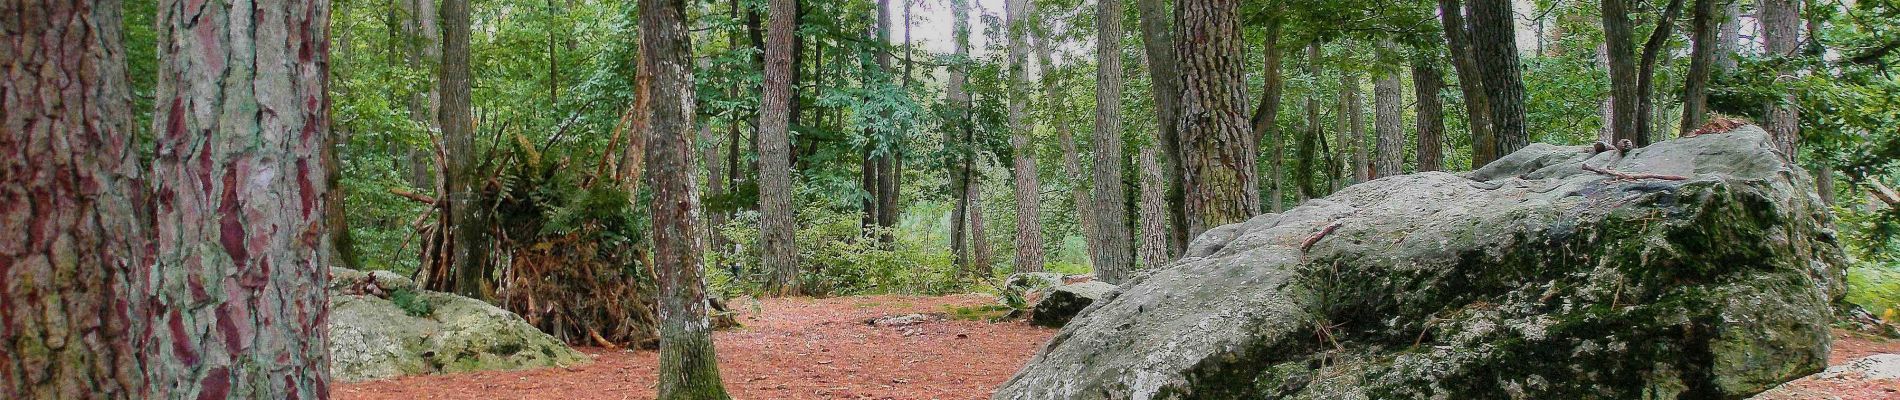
column 1529, row 278
column 373, row 337
column 1064, row 302
column 1878, row 366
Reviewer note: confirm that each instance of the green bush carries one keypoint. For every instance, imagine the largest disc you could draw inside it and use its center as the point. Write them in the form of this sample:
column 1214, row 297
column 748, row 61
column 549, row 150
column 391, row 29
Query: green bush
column 838, row 259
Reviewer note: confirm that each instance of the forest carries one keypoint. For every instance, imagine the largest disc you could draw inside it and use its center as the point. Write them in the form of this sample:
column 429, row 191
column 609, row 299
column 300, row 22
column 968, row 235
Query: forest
column 1008, row 199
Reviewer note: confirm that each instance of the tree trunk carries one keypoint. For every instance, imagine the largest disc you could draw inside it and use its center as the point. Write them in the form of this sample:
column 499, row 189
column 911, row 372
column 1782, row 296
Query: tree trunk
column 1470, row 82
column 76, row 251
column 1266, row 127
column 1605, row 111
column 1157, row 39
column 1695, row 92
column 1351, row 123
column 886, row 163
column 424, row 51
column 1219, row 153
column 1647, row 114
column 1308, row 158
column 1781, row 32
column 979, row 232
column 1153, row 250
column 1113, row 258
column 1028, row 188
column 688, row 369
column 1426, row 83
column 463, row 214
column 1620, row 49
column 1494, row 45
column 777, row 218
column 1388, row 105
column 244, row 296
column 1729, row 38
column 1057, row 102
column 957, row 139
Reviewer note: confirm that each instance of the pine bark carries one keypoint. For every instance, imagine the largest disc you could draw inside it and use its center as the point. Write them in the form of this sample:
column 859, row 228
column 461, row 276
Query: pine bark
column 1056, row 102
column 1351, row 122
column 1113, row 259
column 1266, row 127
column 777, row 219
column 1028, row 186
column 240, row 275
column 1307, row 161
column 688, row 369
column 1494, row 45
column 1427, row 82
column 1221, row 161
column 1153, row 209
column 1729, row 37
column 1470, row 82
column 1157, row 39
column 463, row 216
column 1388, row 110
column 75, row 254
column 1781, row 34
column 886, row 163
column 1702, row 58
column 957, row 138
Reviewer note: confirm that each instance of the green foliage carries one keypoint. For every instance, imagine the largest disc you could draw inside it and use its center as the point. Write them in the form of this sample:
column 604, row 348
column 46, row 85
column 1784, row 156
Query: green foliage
column 838, row 259
column 411, row 304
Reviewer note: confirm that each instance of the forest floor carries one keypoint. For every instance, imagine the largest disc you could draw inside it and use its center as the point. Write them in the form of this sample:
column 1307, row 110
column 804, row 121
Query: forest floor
column 803, row 348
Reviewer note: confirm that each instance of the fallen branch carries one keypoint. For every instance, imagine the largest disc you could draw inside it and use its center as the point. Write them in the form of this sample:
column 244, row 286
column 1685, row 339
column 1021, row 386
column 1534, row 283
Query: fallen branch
column 418, row 197
column 1630, row 177
column 1308, row 244
column 1885, row 194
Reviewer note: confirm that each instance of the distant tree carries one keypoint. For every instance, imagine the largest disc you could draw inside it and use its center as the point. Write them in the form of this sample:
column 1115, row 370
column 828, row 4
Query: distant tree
column 240, row 271
column 1427, row 82
column 1152, row 209
column 957, row 138
column 1219, row 153
column 1351, row 121
column 886, row 163
column 1781, row 34
column 76, row 249
column 1388, row 105
column 1265, row 120
column 778, row 226
column 1458, row 32
column 1158, row 50
column 1056, row 101
column 1307, row 162
column 1028, row 187
column 1112, row 258
column 688, row 368
column 1632, row 75
column 1703, row 27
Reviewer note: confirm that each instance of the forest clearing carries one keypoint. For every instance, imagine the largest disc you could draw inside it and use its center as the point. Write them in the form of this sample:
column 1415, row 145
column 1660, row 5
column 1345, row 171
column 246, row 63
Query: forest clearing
column 949, row 199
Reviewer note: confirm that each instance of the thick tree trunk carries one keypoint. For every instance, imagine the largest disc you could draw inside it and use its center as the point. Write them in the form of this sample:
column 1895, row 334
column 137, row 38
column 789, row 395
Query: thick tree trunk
column 241, row 274
column 1695, row 93
column 1388, row 105
column 1781, row 32
column 688, row 369
column 777, row 218
column 76, row 250
column 1028, row 187
column 1219, row 146
column 1113, row 259
column 1056, row 102
column 1157, row 39
column 1351, row 123
column 1470, row 82
column 1494, row 45
column 1266, row 127
column 1618, row 36
column 1153, row 250
column 1427, row 82
column 463, row 216
column 1308, row 153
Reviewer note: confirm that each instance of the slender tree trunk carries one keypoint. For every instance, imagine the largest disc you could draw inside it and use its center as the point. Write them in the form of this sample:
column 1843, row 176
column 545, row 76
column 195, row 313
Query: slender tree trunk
column 1158, row 45
column 1056, row 103
column 777, row 217
column 1729, row 37
column 1266, row 127
column 1470, row 82
column 1219, row 149
column 886, row 164
column 1695, row 93
column 1618, row 37
column 1028, row 187
column 979, row 232
column 1781, row 33
column 1426, row 83
column 1113, row 259
column 1153, row 250
column 1388, row 94
column 464, row 217
column 1352, row 126
column 1605, row 110
column 688, row 369
column 1494, row 48
column 957, row 138
column 424, row 51
column 1307, row 162
column 241, row 272
column 1647, row 114
column 76, row 251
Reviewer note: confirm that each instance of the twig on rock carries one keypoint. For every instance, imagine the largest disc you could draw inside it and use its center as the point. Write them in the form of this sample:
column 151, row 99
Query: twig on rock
column 1308, row 244
column 1630, row 177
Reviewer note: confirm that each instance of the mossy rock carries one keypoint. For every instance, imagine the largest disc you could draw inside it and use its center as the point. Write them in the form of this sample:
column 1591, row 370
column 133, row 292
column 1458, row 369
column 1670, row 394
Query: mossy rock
column 1528, row 278
column 376, row 338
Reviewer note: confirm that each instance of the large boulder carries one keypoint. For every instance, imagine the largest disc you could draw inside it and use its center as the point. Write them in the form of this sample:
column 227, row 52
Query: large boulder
column 1529, row 278
column 381, row 326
